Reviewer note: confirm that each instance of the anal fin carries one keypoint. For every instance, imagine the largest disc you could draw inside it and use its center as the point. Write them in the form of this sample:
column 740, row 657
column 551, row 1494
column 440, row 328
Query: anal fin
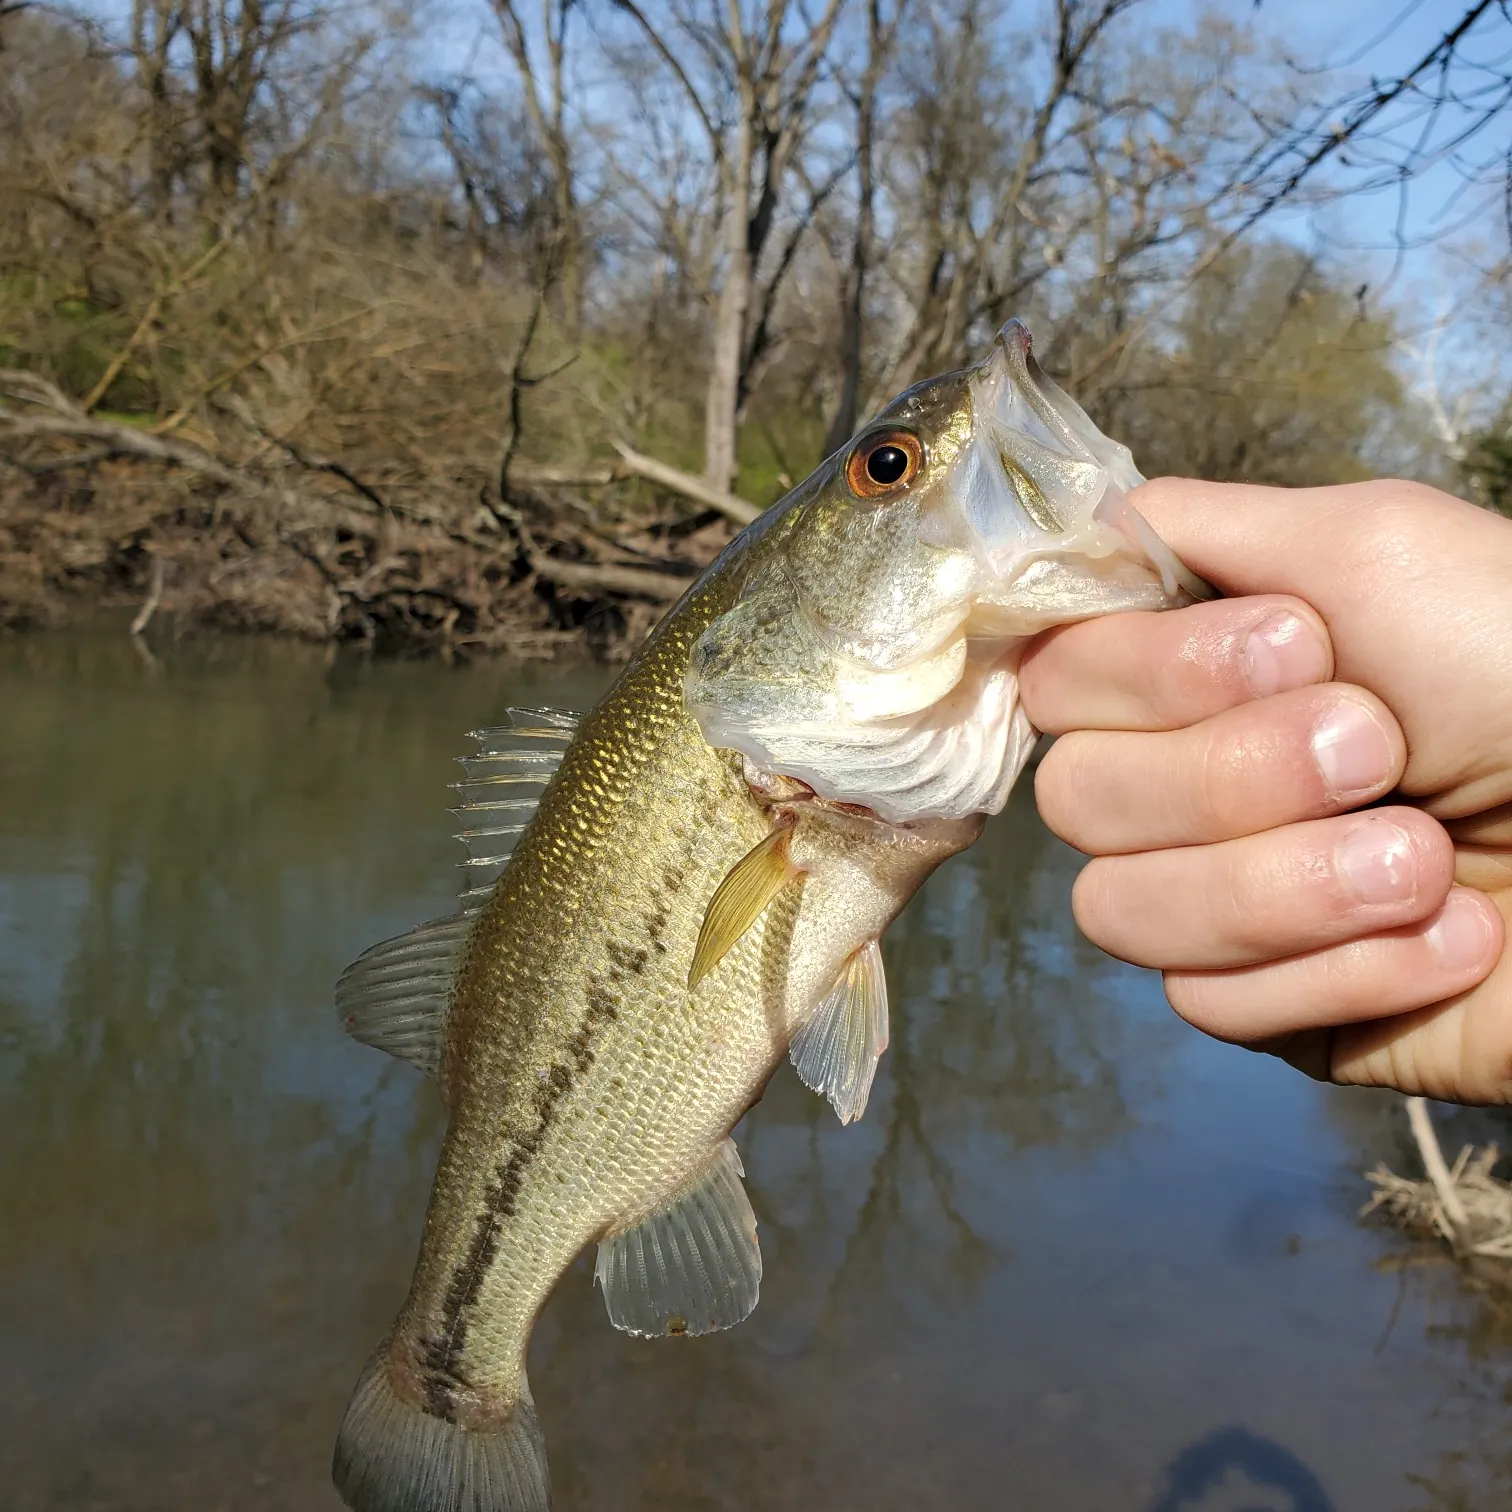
column 692, row 1268
column 837, row 1049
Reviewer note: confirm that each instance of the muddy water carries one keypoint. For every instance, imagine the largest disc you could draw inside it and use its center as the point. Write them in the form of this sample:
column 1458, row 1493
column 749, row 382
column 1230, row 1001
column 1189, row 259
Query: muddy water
column 1075, row 1257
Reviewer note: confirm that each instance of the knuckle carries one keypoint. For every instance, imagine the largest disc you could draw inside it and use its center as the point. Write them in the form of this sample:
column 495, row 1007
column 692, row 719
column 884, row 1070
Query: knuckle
column 1232, row 903
column 1221, row 775
column 1397, row 523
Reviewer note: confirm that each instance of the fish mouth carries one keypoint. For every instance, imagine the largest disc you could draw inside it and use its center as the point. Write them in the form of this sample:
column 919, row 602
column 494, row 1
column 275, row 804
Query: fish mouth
column 1030, row 502
column 1047, row 499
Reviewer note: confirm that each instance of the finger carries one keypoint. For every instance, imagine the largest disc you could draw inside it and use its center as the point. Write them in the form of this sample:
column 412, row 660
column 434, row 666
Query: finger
column 1459, row 1050
column 1253, row 538
column 1409, row 581
column 1381, row 975
column 1300, row 755
column 1162, row 671
column 1268, row 896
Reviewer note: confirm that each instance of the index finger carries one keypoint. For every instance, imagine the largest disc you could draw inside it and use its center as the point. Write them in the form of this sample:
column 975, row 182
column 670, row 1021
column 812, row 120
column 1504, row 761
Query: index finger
column 1166, row 671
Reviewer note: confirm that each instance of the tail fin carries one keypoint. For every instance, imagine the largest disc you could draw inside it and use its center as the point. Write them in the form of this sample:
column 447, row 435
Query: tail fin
column 393, row 1456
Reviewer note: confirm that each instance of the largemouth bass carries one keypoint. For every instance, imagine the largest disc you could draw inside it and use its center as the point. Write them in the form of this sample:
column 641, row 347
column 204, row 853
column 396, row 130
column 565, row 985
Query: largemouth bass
column 827, row 715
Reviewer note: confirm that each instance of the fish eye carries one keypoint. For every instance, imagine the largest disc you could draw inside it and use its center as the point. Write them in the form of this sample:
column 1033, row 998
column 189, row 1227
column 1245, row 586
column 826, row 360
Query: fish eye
column 884, row 463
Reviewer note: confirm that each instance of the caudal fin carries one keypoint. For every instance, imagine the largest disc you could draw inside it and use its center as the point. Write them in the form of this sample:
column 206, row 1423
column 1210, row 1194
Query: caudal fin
column 392, row 1456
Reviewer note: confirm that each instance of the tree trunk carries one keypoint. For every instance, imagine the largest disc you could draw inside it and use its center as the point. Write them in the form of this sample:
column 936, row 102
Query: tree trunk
column 854, row 293
column 730, row 320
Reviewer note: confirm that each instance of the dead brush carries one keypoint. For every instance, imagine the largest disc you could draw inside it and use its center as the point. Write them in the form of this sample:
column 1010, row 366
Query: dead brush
column 1464, row 1205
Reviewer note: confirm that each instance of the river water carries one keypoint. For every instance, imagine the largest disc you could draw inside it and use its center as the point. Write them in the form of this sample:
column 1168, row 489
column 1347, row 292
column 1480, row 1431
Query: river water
column 1075, row 1257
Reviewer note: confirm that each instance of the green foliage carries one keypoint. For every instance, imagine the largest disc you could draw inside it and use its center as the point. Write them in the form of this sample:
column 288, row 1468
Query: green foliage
column 1276, row 372
column 1487, row 468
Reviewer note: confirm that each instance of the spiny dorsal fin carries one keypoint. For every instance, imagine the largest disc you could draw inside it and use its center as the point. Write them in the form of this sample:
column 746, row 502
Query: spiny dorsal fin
column 837, row 1049
column 502, row 788
column 692, row 1268
column 740, row 900
column 396, row 995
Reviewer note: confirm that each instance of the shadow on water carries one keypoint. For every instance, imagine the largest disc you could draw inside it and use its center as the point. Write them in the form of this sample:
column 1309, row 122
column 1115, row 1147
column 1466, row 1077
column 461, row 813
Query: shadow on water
column 1068, row 1237
column 1234, row 1470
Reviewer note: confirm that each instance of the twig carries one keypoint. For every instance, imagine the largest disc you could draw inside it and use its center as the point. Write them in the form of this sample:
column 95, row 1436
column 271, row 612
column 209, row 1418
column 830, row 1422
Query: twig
column 1438, row 1173
column 153, row 599
column 243, row 413
column 170, row 286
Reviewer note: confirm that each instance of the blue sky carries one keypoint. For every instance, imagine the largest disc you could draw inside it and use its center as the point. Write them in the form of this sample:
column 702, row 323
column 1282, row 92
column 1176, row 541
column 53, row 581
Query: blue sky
column 1448, row 232
column 1381, row 37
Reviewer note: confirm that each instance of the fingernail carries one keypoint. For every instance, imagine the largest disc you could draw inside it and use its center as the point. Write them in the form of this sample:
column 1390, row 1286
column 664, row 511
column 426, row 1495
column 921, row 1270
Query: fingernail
column 1378, row 862
column 1283, row 652
column 1461, row 935
column 1352, row 750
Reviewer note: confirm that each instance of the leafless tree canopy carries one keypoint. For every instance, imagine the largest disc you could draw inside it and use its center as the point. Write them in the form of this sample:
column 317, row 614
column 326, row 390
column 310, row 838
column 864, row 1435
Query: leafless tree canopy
column 298, row 332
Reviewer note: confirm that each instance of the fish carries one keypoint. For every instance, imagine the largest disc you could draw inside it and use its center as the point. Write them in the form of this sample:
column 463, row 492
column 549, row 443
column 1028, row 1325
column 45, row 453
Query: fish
column 674, row 892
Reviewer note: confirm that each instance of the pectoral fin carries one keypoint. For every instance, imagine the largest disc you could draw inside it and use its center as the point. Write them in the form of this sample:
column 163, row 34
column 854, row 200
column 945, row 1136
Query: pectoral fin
column 694, row 1267
column 837, row 1049
column 740, row 900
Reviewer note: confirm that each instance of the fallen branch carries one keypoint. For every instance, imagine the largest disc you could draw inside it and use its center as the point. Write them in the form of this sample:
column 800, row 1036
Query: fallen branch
column 370, row 565
column 634, row 464
column 68, row 420
column 732, row 507
column 664, row 587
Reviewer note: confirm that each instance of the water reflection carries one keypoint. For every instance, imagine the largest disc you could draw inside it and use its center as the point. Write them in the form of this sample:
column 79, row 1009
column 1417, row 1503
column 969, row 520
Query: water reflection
column 1069, row 1246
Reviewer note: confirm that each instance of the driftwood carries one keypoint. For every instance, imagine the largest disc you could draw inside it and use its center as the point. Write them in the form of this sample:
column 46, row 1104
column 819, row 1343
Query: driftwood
column 634, row 464
column 1463, row 1204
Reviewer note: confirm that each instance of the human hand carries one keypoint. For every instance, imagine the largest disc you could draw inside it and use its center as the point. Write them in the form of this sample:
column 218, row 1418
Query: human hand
column 1215, row 762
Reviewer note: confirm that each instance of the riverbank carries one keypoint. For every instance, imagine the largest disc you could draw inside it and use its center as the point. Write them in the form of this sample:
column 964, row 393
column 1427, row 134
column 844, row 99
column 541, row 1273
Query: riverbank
column 309, row 550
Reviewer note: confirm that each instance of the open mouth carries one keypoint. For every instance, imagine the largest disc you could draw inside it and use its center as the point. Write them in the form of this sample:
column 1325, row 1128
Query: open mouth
column 1074, row 546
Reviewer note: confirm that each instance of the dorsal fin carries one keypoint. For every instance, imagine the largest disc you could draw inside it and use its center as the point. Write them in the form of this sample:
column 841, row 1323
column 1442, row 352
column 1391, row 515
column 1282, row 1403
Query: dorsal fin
column 396, row 995
column 502, row 787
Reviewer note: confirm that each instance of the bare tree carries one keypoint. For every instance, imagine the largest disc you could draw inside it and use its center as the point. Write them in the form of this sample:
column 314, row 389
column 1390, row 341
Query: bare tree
column 545, row 108
column 1392, row 129
column 312, row 312
column 880, row 35
column 764, row 69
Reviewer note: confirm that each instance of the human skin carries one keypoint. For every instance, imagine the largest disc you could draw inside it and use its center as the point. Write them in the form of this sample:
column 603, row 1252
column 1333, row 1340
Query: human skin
column 1298, row 798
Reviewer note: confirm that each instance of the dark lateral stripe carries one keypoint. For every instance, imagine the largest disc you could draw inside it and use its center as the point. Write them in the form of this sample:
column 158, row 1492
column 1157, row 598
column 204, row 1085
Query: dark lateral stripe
column 441, row 1353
